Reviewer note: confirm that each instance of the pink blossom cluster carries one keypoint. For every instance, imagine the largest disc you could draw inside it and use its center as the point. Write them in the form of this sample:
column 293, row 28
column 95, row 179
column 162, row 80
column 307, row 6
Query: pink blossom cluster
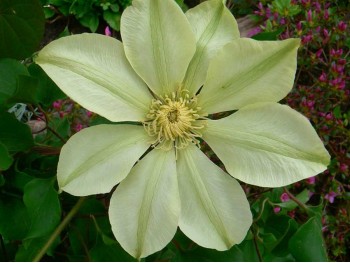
column 321, row 92
column 78, row 116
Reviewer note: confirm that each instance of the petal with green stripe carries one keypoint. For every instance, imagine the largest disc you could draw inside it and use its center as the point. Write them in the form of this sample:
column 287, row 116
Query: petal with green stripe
column 215, row 212
column 95, row 159
column 247, row 71
column 145, row 208
column 213, row 26
column 267, row 144
column 158, row 42
column 92, row 69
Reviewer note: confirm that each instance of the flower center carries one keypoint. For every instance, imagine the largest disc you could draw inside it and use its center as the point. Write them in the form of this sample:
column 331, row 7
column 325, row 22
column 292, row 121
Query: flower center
column 174, row 121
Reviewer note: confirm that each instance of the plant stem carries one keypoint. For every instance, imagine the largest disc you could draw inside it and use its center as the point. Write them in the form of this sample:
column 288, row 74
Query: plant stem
column 296, row 200
column 256, row 245
column 59, row 229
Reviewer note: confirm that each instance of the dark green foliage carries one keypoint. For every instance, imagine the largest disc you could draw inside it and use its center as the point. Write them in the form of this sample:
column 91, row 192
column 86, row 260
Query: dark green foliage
column 31, row 208
column 14, row 135
column 88, row 12
column 21, row 28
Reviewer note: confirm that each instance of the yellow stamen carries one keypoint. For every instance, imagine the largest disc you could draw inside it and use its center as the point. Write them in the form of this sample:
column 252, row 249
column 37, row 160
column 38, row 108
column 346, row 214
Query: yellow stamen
column 174, row 121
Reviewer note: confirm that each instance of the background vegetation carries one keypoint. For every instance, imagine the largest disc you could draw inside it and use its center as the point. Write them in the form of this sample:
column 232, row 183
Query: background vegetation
column 307, row 221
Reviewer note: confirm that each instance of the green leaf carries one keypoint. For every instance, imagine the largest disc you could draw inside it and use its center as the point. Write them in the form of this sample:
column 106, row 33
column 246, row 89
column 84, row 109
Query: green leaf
column 5, row 158
column 47, row 91
column 61, row 126
column 274, row 258
column 48, row 12
column 307, row 243
column 337, row 112
column 2, row 181
column 26, row 90
column 41, row 200
column 303, row 197
column 114, row 7
column 31, row 247
column 15, row 135
column 17, row 180
column 268, row 35
column 282, row 227
column 83, row 233
column 9, row 71
column 108, row 251
column 91, row 21
column 245, row 251
column 21, row 27
column 14, row 220
column 113, row 19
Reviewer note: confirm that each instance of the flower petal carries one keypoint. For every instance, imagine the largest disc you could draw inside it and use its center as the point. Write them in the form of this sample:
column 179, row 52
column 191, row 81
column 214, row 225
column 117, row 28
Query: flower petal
column 267, row 144
column 214, row 26
column 215, row 212
column 92, row 69
column 144, row 209
column 97, row 158
column 247, row 71
column 159, row 43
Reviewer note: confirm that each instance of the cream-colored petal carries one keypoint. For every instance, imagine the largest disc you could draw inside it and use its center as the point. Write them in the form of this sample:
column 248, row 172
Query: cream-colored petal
column 92, row 69
column 247, row 71
column 95, row 159
column 145, row 208
column 215, row 212
column 267, row 144
column 214, row 26
column 158, row 42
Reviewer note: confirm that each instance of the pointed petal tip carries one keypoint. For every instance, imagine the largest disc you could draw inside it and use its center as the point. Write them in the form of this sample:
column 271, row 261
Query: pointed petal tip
column 273, row 145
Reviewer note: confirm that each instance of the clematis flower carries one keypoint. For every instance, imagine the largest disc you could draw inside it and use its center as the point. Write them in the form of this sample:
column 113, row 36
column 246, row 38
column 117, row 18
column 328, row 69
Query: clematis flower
column 167, row 78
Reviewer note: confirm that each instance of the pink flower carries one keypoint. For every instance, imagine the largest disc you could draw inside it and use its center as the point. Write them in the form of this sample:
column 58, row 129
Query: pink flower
column 108, row 31
column 319, row 53
column 318, row 7
column 57, row 104
column 342, row 26
column 343, row 167
column 78, row 127
column 325, row 33
column 342, row 61
column 311, row 180
column 323, row 77
column 299, row 27
column 339, row 83
column 309, row 16
column 330, row 196
column 310, row 104
column 329, row 116
column 306, row 39
column 277, row 209
column 62, row 114
column 326, row 14
column 284, row 197
column 254, row 31
column 336, row 53
column 291, row 213
column 89, row 114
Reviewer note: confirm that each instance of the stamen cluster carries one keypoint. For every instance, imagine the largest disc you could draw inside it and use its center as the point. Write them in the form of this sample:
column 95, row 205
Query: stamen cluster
column 173, row 121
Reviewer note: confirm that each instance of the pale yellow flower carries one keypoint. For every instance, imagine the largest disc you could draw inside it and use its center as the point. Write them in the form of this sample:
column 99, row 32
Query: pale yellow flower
column 172, row 71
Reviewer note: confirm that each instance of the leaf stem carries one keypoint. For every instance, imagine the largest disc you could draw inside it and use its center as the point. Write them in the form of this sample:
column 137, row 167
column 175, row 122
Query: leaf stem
column 59, row 229
column 296, row 200
column 256, row 245
column 261, row 210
